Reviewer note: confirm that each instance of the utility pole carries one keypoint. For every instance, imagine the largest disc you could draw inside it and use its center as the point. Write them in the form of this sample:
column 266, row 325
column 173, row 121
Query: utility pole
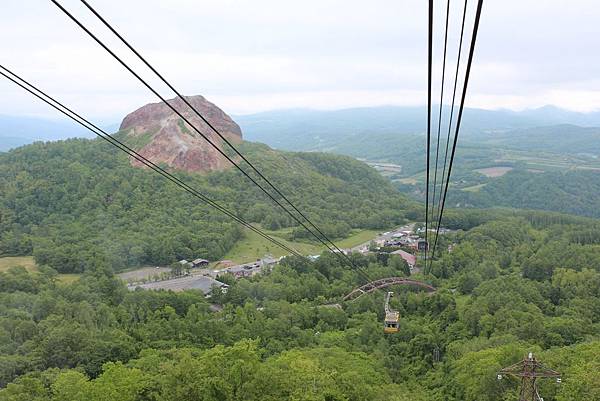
column 436, row 354
column 528, row 371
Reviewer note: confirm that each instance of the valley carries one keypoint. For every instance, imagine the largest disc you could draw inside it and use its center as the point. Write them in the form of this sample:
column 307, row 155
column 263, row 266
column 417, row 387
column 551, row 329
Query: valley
column 492, row 161
column 247, row 201
column 105, row 296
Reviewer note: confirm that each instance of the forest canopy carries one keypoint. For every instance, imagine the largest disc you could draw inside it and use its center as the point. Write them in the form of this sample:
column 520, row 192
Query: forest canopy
column 78, row 202
column 513, row 283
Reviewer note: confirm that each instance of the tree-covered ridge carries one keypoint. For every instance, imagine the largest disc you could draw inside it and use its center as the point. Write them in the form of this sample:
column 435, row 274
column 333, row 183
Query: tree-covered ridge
column 575, row 191
column 72, row 202
column 513, row 282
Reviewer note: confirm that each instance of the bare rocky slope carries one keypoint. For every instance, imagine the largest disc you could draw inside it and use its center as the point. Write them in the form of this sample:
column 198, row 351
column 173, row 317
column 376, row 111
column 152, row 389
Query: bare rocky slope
column 160, row 135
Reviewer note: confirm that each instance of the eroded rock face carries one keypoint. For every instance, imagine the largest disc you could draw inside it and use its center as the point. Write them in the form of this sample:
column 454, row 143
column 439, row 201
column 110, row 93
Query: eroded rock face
column 161, row 136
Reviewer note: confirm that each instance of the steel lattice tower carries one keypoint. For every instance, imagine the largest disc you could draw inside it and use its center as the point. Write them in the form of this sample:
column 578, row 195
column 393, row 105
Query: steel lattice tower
column 528, row 371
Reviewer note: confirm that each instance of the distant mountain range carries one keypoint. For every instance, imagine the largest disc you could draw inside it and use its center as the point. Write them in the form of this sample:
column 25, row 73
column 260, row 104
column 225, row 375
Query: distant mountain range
column 305, row 129
column 19, row 130
column 302, row 129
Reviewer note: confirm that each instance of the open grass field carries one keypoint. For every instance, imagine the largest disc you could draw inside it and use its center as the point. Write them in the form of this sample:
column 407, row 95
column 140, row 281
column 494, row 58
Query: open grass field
column 549, row 161
column 68, row 278
column 28, row 263
column 12, row 261
column 253, row 246
column 358, row 237
column 413, row 179
column 494, row 171
column 474, row 188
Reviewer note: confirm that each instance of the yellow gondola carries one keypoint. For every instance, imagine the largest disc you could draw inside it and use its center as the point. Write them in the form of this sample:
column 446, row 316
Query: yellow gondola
column 391, row 316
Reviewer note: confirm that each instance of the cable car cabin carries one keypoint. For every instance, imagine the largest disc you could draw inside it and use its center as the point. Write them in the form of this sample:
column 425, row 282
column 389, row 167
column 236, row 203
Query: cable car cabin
column 391, row 322
column 422, row 245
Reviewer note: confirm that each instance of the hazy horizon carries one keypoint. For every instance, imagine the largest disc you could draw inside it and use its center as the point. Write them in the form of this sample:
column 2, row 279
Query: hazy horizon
column 248, row 57
column 57, row 117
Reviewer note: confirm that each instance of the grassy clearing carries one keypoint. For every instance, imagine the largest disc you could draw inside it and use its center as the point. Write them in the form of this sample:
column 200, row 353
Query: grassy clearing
column 493, row 172
column 254, row 247
column 11, row 261
column 28, row 263
column 358, row 237
column 415, row 179
column 68, row 278
column 474, row 188
column 548, row 161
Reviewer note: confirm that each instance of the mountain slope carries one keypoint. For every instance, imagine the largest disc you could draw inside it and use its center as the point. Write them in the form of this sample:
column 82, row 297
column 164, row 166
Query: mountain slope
column 79, row 202
column 575, row 192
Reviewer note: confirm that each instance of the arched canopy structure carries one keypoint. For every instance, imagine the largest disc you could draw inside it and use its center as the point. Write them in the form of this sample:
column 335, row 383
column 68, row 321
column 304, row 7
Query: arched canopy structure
column 383, row 283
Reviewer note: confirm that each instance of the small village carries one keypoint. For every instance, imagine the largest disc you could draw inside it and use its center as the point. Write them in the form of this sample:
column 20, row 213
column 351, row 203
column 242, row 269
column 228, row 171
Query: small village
column 199, row 274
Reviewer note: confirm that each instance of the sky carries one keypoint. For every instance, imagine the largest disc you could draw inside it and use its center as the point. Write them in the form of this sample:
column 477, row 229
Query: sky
column 255, row 55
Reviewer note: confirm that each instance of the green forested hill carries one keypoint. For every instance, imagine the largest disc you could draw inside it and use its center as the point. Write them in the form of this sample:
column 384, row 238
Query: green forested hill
column 575, row 191
column 78, row 202
column 514, row 282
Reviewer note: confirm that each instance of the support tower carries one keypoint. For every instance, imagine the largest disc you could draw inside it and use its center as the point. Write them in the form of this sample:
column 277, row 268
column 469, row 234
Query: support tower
column 528, row 371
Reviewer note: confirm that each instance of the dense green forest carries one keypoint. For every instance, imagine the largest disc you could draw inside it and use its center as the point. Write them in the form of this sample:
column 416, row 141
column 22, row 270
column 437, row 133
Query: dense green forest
column 72, row 202
column 575, row 191
column 514, row 282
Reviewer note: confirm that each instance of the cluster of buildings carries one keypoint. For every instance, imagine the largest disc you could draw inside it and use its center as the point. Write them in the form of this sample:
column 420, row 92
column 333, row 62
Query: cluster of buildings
column 196, row 263
column 249, row 269
column 403, row 238
column 205, row 280
column 227, row 266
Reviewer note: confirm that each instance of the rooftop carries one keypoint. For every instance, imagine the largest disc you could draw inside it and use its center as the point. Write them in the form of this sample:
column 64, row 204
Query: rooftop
column 408, row 257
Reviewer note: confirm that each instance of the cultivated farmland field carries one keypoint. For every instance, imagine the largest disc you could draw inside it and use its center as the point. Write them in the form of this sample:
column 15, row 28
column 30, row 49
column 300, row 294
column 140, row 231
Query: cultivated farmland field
column 494, row 171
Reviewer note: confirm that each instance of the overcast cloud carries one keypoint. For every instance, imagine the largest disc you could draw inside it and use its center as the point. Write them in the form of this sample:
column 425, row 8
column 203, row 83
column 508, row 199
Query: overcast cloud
column 256, row 55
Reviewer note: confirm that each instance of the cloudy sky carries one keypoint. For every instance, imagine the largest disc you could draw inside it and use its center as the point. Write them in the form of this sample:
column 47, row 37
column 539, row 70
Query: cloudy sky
column 254, row 55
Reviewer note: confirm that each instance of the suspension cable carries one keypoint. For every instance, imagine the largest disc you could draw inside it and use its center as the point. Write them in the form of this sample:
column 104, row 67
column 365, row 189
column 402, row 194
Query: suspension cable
column 429, row 64
column 27, row 86
column 462, row 29
column 460, row 112
column 325, row 240
column 210, row 125
column 439, row 125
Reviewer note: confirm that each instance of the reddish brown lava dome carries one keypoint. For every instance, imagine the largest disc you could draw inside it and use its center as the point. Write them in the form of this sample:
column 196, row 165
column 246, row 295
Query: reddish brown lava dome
column 162, row 136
